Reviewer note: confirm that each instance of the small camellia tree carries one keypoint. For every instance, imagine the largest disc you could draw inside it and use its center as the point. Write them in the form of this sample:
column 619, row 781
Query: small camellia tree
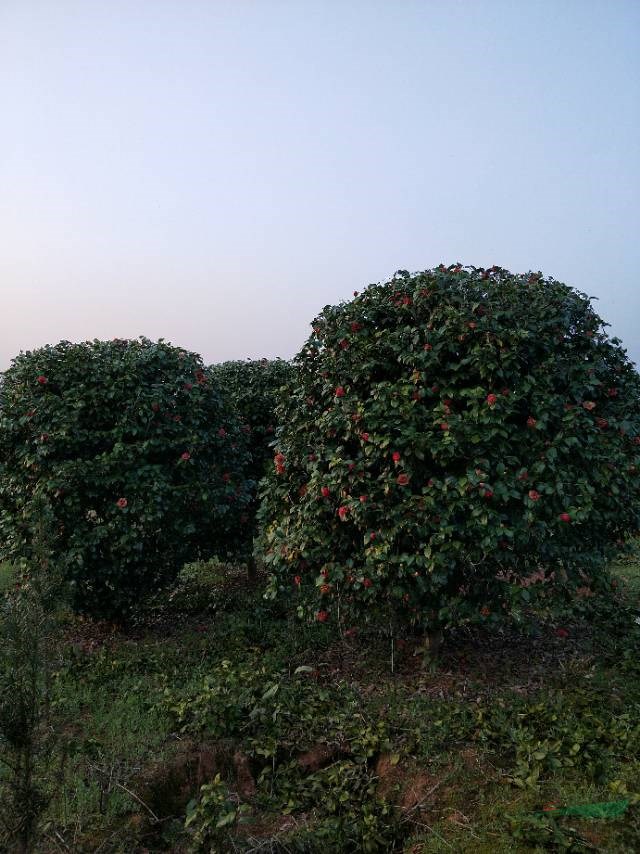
column 141, row 460
column 452, row 434
column 253, row 389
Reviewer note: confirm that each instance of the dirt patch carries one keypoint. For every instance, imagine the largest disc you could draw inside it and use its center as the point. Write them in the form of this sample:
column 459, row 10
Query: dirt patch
column 166, row 787
column 245, row 785
column 407, row 788
column 321, row 755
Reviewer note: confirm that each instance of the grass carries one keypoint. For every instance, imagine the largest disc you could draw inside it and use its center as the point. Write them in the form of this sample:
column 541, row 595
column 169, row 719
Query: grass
column 6, row 576
column 304, row 742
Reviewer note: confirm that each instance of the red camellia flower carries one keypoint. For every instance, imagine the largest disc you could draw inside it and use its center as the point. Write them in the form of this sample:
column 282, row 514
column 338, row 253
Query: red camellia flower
column 188, row 386
column 602, row 423
column 402, row 479
column 428, row 347
column 324, row 573
column 42, row 380
column 325, row 588
column 492, row 399
column 280, row 469
column 185, row 456
column 589, row 405
column 122, row 502
column 488, row 494
column 396, row 457
column 200, row 377
column 355, row 326
column 562, row 633
column 363, row 498
column 326, row 492
column 444, row 426
column 339, row 392
column 564, row 517
column 322, row 616
column 297, row 580
column 367, row 582
column 364, row 437
column 372, row 535
column 485, row 611
column 534, row 495
column 344, row 344
column 531, row 421
column 279, row 459
column 222, row 432
column 472, row 324
column 342, row 512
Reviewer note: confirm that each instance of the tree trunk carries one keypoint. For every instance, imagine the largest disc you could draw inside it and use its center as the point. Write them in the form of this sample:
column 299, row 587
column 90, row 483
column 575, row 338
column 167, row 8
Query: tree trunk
column 434, row 643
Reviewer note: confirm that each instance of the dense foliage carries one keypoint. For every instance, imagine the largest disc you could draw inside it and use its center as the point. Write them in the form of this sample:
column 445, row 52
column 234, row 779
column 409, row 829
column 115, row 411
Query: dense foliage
column 253, row 389
column 457, row 440
column 137, row 455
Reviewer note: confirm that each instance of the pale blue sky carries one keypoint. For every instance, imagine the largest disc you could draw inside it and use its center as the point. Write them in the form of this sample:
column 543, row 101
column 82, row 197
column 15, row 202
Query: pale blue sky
column 216, row 172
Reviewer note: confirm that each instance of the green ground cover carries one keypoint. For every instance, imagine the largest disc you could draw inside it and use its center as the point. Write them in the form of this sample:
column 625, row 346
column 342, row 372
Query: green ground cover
column 219, row 710
column 6, row 574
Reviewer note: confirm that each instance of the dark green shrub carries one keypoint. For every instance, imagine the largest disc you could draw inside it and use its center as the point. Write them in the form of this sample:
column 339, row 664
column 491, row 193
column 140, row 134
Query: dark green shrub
column 139, row 456
column 30, row 651
column 253, row 390
column 456, row 440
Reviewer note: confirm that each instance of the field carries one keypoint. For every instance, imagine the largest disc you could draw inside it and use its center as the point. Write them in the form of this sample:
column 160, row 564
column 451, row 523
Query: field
column 320, row 746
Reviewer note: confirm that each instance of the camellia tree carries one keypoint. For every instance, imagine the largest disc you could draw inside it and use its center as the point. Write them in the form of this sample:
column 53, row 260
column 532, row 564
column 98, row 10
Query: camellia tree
column 452, row 435
column 137, row 455
column 253, row 388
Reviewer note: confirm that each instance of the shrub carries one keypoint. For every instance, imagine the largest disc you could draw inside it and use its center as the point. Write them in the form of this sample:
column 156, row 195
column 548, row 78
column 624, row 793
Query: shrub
column 135, row 449
column 457, row 439
column 30, row 644
column 253, row 390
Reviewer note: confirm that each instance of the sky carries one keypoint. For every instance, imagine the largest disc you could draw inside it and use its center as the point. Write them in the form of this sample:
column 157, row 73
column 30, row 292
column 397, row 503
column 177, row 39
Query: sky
column 214, row 173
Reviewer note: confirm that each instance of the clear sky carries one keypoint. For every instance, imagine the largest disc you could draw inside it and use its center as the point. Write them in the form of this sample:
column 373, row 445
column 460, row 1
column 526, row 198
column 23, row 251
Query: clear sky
column 214, row 173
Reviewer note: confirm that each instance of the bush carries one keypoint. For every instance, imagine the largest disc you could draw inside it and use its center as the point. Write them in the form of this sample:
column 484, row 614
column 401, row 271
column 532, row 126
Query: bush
column 457, row 439
column 253, row 390
column 142, row 462
column 30, row 646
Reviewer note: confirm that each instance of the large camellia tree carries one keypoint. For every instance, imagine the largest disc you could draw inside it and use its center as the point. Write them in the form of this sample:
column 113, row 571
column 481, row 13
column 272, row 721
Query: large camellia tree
column 137, row 459
column 452, row 435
